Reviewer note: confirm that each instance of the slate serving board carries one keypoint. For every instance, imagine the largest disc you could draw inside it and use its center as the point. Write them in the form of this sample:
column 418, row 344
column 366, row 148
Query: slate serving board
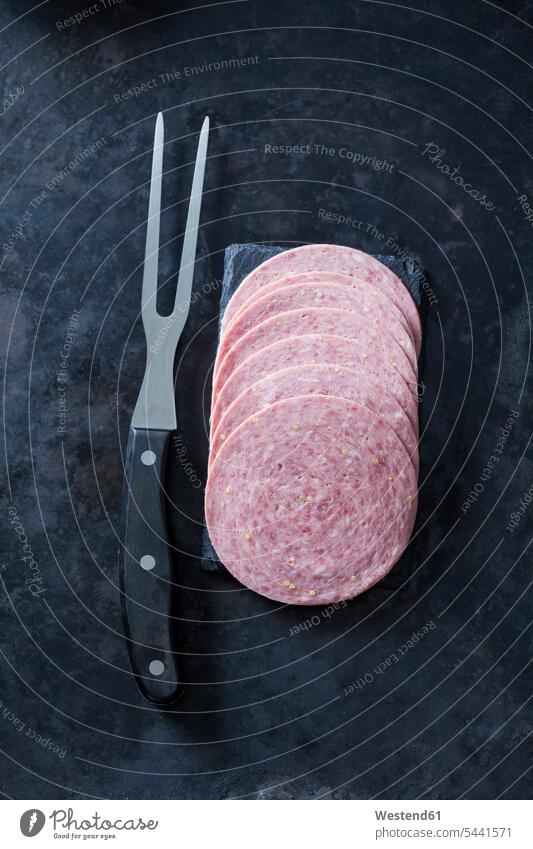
column 240, row 260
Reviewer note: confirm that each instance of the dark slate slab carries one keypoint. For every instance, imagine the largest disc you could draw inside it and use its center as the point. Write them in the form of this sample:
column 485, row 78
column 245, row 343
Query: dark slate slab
column 240, row 260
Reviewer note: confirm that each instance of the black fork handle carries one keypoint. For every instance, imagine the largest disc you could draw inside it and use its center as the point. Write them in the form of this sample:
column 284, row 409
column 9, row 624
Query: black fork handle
column 145, row 569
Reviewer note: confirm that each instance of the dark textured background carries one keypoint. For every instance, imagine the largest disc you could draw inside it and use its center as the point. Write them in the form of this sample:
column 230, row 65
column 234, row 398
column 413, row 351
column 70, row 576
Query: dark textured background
column 266, row 713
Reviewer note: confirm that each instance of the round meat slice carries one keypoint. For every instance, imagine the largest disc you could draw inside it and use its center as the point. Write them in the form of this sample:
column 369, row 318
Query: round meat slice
column 324, row 295
column 311, row 500
column 376, row 347
column 309, row 349
column 337, row 258
column 333, row 380
column 366, row 294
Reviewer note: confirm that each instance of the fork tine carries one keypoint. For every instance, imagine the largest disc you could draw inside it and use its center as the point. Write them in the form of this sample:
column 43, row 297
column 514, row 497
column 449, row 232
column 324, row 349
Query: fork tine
column 190, row 238
column 151, row 254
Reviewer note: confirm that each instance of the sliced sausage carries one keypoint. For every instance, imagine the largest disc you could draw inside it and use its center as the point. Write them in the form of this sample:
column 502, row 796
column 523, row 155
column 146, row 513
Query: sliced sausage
column 311, row 500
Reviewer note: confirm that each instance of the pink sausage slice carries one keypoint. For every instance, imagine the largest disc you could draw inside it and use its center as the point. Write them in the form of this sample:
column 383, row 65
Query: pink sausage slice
column 339, row 381
column 337, row 258
column 304, row 350
column 325, row 295
column 377, row 348
column 311, row 500
column 365, row 292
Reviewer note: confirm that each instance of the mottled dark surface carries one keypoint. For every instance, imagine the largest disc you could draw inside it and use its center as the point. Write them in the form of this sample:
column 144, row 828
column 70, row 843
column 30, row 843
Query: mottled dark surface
column 266, row 714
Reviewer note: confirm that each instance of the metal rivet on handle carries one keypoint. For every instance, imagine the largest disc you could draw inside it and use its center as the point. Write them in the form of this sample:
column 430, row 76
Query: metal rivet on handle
column 147, row 562
column 148, row 458
column 156, row 667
